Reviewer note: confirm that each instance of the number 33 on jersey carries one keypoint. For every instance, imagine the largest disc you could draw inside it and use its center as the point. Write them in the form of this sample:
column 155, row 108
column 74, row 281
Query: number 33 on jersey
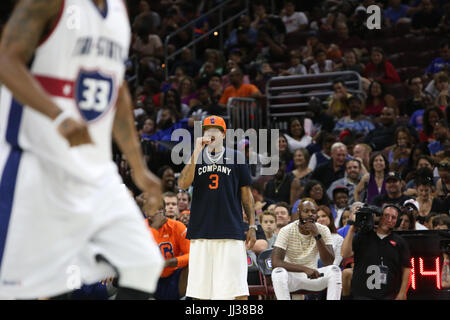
column 94, row 93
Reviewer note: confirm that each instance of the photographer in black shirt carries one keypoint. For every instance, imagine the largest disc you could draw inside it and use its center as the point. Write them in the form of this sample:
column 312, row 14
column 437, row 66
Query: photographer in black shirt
column 381, row 258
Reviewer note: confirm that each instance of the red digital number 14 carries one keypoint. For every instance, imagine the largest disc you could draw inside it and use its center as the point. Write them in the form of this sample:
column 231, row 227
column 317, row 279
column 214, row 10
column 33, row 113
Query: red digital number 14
column 422, row 272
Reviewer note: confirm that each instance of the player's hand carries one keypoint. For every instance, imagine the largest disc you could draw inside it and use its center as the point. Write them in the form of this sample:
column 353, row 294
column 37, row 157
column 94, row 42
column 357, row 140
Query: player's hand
column 312, row 273
column 251, row 239
column 150, row 184
column 311, row 228
column 75, row 132
column 201, row 142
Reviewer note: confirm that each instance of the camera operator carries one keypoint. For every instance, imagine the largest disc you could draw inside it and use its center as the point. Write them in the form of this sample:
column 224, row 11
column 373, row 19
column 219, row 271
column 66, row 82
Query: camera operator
column 295, row 253
column 381, row 258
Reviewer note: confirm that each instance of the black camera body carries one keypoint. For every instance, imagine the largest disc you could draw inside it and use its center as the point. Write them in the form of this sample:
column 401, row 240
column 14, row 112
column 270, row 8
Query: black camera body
column 365, row 221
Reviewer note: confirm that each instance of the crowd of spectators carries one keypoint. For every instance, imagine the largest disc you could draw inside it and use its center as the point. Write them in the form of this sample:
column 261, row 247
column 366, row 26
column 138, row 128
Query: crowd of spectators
column 390, row 144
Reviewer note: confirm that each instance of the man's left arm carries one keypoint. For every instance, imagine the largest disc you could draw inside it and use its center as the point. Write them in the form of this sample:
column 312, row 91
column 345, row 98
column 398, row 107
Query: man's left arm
column 406, row 270
column 249, row 208
column 404, row 286
column 126, row 137
column 326, row 252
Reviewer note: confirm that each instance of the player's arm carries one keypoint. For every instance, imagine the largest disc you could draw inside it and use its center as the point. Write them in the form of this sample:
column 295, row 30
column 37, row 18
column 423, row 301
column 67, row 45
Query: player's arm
column 125, row 135
column 26, row 27
column 187, row 174
column 446, row 271
column 249, row 209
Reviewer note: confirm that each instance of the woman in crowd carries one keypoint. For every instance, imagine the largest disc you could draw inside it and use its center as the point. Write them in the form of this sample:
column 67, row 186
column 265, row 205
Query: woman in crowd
column 325, row 217
column 407, row 220
column 424, row 166
column 417, row 151
column 430, row 117
column 344, row 217
column 297, row 137
column 373, row 183
column 284, row 152
column 167, row 176
column 314, row 189
column 377, row 99
column 188, row 93
column 443, row 184
column 398, row 154
column 301, row 159
column 172, row 99
column 379, row 68
column 425, row 198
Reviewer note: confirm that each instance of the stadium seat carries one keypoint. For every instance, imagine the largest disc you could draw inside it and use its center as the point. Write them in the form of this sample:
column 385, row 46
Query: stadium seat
column 265, row 265
column 255, row 289
column 402, row 29
column 408, row 72
column 397, row 59
column 424, row 58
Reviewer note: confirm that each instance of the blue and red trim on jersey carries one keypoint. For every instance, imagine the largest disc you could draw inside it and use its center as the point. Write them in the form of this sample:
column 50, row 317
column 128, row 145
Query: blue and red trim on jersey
column 9, row 175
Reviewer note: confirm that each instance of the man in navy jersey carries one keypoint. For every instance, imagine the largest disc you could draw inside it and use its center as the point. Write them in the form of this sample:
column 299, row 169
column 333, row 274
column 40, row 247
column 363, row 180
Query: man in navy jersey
column 221, row 181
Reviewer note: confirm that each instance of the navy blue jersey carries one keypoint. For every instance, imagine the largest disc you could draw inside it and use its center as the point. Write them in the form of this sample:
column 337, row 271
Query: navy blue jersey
column 216, row 209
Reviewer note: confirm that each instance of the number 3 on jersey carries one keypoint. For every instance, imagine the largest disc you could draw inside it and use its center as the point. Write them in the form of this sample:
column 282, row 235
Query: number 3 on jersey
column 93, row 94
column 214, row 178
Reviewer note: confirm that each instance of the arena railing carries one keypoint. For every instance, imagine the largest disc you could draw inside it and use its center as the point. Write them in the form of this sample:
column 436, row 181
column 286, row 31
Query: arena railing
column 290, row 96
column 244, row 113
column 195, row 39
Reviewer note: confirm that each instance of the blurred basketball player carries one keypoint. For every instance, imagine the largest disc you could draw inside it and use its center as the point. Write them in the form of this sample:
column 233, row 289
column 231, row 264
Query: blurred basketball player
column 217, row 256
column 65, row 216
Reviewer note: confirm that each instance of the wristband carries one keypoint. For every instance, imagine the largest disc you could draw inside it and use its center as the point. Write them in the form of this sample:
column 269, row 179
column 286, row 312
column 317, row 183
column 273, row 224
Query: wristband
column 253, row 226
column 60, row 118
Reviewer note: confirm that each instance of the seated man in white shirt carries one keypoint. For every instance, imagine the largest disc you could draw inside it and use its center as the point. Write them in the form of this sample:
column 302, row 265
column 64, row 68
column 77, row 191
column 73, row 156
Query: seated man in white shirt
column 294, row 257
column 293, row 20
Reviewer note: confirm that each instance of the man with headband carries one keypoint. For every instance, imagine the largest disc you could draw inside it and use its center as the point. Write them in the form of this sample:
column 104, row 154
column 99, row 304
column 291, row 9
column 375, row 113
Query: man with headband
column 295, row 254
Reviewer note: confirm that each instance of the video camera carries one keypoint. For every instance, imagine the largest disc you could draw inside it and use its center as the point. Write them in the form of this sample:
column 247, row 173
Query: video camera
column 365, row 221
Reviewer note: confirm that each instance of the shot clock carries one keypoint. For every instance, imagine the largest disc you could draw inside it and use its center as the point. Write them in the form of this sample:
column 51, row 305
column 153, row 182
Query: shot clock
column 426, row 247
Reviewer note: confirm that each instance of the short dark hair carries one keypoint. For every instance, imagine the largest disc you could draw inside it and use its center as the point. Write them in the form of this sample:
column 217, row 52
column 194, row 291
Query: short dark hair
column 284, row 205
column 163, row 169
column 336, row 81
column 185, row 192
column 353, row 159
column 169, row 194
column 442, row 219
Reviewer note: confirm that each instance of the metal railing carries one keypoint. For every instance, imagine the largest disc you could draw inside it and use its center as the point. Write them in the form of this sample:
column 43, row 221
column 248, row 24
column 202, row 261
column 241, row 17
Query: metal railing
column 289, row 96
column 196, row 39
column 244, row 113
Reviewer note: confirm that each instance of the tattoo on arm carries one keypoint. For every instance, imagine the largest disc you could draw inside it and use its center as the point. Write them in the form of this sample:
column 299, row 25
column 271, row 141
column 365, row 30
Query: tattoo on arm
column 248, row 203
column 27, row 25
column 445, row 276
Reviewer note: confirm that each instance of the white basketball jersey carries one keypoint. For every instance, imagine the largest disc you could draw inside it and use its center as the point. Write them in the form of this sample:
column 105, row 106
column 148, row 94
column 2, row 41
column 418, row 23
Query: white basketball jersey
column 81, row 65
